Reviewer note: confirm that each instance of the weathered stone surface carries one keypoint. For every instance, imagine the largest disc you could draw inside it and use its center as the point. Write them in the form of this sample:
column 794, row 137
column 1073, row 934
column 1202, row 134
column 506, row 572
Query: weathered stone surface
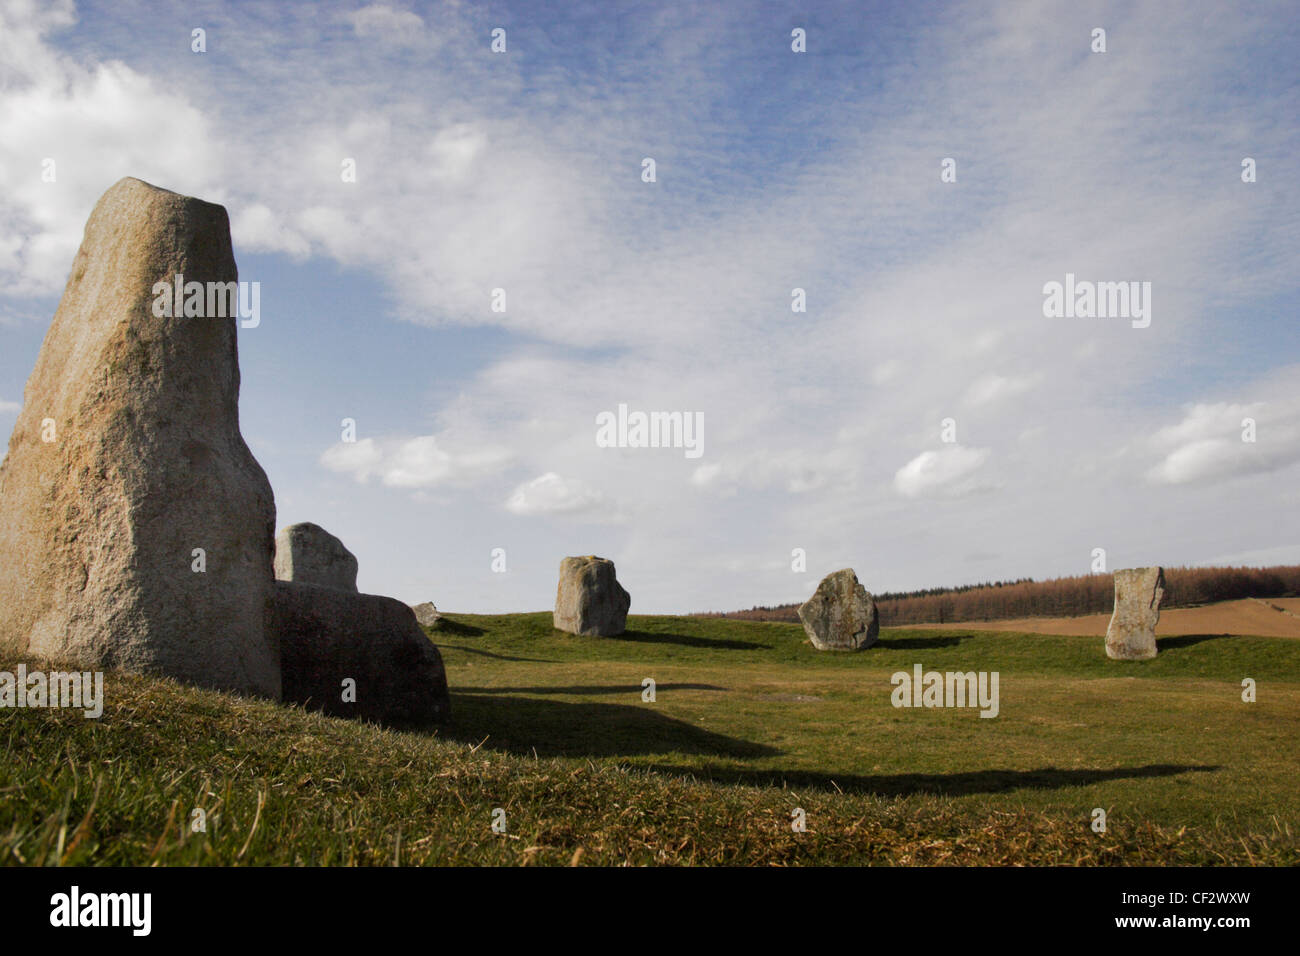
column 328, row 636
column 426, row 615
column 308, row 554
column 1131, row 635
column 127, row 458
column 589, row 599
column 841, row 614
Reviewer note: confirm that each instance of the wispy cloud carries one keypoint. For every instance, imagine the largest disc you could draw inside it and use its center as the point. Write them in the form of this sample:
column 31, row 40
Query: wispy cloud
column 995, row 388
column 387, row 24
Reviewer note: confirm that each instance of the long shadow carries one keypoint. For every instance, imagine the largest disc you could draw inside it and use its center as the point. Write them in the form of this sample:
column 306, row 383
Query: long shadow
column 581, row 689
column 946, row 784
column 686, row 640
column 923, row 643
column 446, row 625
column 500, row 657
column 1186, row 640
column 551, row 728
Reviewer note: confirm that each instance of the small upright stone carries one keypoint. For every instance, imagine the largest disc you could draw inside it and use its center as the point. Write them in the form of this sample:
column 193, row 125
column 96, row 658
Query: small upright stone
column 841, row 614
column 589, row 599
column 1131, row 635
column 426, row 614
column 308, row 554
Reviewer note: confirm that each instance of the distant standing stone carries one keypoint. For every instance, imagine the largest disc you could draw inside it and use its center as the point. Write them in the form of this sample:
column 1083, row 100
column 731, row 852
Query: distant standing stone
column 308, row 554
column 589, row 599
column 426, row 614
column 841, row 614
column 1132, row 632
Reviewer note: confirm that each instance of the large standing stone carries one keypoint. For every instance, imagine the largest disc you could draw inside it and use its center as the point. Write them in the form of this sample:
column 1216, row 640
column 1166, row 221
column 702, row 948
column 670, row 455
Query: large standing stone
column 841, row 614
column 589, row 599
column 135, row 526
column 328, row 636
column 1131, row 635
column 308, row 554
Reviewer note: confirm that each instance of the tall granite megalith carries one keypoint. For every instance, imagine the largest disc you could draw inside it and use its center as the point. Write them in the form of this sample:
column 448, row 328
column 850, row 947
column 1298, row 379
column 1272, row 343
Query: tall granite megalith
column 1131, row 635
column 136, row 528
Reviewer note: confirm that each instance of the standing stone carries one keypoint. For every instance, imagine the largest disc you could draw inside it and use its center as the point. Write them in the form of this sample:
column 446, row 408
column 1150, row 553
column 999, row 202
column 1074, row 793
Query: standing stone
column 589, row 599
column 426, row 614
column 308, row 554
column 329, row 636
column 135, row 526
column 1131, row 635
column 841, row 614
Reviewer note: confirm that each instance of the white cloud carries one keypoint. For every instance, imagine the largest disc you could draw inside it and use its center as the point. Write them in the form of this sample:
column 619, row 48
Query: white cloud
column 1208, row 420
column 454, row 150
column 392, row 26
column 795, row 471
column 994, row 388
column 1208, row 446
column 360, row 459
column 705, row 475
column 256, row 228
column 886, row 372
column 412, row 463
column 6, row 407
column 950, row 471
column 1209, row 458
column 96, row 123
column 551, row 494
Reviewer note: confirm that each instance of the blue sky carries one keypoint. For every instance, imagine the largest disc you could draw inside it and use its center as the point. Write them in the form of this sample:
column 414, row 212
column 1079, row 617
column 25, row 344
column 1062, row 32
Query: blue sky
column 775, row 170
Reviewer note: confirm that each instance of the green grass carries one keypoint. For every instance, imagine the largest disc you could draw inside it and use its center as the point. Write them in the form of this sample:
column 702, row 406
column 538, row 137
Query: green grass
column 749, row 723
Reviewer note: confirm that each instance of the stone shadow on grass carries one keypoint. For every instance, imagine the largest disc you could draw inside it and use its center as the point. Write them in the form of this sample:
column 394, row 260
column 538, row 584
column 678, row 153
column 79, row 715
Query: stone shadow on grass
column 942, row 784
column 501, row 657
column 686, row 640
column 582, row 689
column 1186, row 640
column 551, row 728
column 446, row 625
column 921, row 643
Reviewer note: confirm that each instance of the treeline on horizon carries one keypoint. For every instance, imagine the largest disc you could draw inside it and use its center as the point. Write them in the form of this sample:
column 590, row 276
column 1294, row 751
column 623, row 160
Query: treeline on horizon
column 1058, row 597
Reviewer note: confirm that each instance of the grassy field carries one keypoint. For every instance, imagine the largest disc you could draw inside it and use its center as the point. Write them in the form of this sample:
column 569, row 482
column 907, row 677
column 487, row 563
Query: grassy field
column 749, row 723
